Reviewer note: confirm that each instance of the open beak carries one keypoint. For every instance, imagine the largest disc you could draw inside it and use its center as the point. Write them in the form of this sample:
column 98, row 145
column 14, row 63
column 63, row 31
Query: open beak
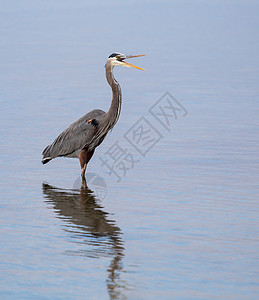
column 126, row 64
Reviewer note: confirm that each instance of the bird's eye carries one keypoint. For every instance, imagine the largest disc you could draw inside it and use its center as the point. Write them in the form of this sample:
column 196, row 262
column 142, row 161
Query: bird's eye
column 119, row 57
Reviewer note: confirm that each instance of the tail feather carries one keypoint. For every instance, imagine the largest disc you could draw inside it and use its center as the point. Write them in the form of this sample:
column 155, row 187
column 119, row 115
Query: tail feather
column 46, row 160
column 46, row 155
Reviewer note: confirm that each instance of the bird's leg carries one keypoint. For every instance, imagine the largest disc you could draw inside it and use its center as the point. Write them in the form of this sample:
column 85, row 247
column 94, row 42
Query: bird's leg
column 83, row 171
column 83, row 185
column 84, row 158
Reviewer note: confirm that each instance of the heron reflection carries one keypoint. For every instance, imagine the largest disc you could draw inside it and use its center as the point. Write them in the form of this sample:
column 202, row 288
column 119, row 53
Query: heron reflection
column 90, row 227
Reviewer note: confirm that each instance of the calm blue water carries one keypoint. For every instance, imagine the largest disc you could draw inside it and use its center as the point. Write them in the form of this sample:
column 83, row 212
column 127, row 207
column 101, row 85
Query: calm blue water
column 177, row 218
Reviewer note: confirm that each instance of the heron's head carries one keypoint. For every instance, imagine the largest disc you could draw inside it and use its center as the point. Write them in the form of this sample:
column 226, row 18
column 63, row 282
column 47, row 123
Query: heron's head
column 118, row 59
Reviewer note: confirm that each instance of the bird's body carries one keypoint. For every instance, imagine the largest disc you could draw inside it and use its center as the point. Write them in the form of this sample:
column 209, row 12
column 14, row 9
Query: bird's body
column 81, row 138
column 73, row 139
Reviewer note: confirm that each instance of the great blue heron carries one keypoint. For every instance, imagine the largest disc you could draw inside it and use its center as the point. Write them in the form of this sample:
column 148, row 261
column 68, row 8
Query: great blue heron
column 82, row 137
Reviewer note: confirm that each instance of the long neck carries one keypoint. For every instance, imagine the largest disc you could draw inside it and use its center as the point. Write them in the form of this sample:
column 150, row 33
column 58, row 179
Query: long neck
column 115, row 108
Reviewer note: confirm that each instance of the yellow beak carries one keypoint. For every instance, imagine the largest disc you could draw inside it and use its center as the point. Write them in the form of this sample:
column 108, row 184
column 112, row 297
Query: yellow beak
column 131, row 65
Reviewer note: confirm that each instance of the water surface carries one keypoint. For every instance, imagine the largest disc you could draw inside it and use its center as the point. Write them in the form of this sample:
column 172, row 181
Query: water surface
column 182, row 221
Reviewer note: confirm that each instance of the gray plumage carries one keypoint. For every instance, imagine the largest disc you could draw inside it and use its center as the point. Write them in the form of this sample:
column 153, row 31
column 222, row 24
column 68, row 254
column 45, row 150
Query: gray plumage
column 73, row 139
column 82, row 137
